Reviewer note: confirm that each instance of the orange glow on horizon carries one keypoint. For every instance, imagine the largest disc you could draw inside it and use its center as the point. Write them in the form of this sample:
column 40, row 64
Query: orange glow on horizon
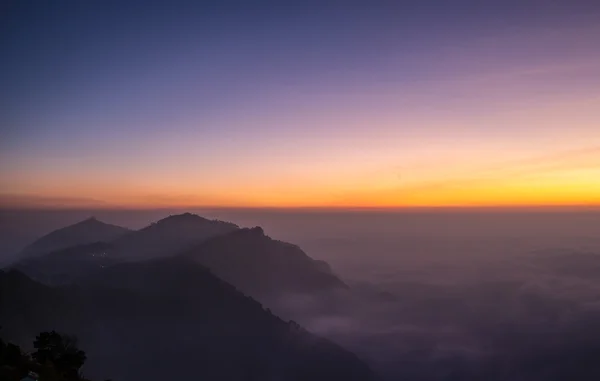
column 565, row 178
column 505, row 118
column 572, row 188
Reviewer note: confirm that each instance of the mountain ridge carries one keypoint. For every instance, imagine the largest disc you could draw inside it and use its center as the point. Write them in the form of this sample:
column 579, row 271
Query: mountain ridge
column 170, row 235
column 86, row 231
column 245, row 257
column 258, row 264
column 195, row 322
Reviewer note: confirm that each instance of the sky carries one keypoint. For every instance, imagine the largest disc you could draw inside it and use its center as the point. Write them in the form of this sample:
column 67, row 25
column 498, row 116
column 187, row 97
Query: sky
column 295, row 104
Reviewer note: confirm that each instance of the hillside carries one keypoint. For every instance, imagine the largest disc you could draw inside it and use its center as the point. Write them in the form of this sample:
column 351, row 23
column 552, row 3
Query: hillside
column 169, row 236
column 66, row 266
column 178, row 314
column 247, row 258
column 85, row 232
column 259, row 265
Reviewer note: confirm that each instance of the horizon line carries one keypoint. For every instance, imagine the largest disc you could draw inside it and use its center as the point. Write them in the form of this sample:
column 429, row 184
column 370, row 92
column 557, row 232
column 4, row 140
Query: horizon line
column 348, row 208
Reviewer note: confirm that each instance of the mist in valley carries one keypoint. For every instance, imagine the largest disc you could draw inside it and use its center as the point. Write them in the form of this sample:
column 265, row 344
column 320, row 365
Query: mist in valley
column 451, row 295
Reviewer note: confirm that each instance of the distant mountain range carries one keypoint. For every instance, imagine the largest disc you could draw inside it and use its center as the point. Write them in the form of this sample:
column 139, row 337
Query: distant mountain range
column 88, row 231
column 247, row 258
column 174, row 291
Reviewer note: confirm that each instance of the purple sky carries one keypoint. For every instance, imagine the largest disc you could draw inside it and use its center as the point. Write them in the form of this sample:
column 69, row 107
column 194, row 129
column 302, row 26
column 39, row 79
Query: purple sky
column 324, row 103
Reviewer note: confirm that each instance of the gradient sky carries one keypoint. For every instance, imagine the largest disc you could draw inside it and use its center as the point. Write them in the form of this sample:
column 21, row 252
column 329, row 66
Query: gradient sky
column 420, row 103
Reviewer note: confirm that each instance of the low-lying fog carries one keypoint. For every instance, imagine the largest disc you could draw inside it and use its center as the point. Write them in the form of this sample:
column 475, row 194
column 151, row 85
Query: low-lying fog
column 438, row 296
column 464, row 296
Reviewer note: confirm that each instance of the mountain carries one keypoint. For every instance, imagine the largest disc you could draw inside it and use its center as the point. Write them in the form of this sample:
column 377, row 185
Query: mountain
column 259, row 265
column 247, row 258
column 85, row 232
column 169, row 236
column 66, row 266
column 171, row 319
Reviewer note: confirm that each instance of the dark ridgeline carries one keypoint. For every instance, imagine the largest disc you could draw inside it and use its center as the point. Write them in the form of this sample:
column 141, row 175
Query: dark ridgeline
column 169, row 236
column 88, row 231
column 259, row 265
column 170, row 317
column 247, row 258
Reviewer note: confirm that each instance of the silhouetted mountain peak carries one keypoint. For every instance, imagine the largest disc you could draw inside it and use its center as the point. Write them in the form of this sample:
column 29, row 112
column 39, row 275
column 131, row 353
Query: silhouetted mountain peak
column 170, row 235
column 256, row 231
column 90, row 230
column 90, row 221
column 182, row 217
column 189, row 219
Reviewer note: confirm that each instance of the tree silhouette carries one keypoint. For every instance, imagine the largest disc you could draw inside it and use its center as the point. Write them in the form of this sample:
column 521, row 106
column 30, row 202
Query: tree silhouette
column 10, row 358
column 12, row 355
column 61, row 351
